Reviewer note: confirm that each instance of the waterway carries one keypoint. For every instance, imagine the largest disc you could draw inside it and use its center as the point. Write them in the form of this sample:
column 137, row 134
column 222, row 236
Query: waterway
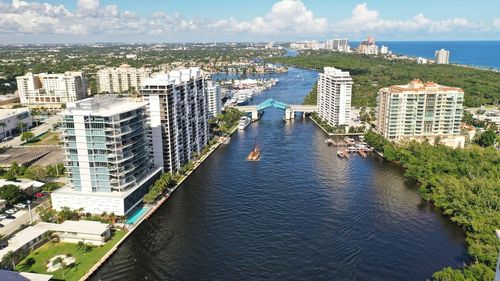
column 300, row 213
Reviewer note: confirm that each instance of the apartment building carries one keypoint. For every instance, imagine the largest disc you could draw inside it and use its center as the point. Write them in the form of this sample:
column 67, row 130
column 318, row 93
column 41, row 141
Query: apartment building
column 178, row 112
column 213, row 99
column 420, row 110
column 121, row 79
column 107, row 155
column 13, row 121
column 334, row 96
column 442, row 56
column 51, row 90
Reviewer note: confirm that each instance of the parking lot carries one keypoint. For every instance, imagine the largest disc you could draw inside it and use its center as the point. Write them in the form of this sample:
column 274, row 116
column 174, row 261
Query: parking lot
column 12, row 218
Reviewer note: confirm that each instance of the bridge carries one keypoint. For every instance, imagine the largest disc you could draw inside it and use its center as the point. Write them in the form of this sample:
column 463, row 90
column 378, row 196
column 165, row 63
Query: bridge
column 290, row 109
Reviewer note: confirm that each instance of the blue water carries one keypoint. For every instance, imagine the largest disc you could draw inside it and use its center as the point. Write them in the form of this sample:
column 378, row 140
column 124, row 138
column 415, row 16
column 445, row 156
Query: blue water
column 136, row 216
column 476, row 53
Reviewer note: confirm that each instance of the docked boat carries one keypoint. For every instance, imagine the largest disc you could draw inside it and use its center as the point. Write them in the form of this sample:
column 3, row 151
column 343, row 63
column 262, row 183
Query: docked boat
column 244, row 122
column 254, row 155
column 225, row 139
column 329, row 141
column 340, row 154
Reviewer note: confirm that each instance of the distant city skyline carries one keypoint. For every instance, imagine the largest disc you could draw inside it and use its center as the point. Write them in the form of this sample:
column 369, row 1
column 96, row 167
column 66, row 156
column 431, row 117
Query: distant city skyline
column 87, row 21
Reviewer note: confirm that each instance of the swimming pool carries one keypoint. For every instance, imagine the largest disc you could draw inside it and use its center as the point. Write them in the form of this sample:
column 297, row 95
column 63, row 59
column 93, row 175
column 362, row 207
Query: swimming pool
column 136, row 215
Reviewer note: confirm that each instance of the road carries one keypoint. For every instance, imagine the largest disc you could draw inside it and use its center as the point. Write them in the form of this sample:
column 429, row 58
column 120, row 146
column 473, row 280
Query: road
column 46, row 126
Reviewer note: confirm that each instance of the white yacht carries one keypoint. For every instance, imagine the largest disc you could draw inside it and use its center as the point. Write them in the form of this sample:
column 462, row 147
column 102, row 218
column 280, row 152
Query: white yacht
column 244, row 122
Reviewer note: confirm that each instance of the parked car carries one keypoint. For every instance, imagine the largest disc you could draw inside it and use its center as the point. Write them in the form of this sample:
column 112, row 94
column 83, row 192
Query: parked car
column 20, row 206
column 3, row 216
column 11, row 211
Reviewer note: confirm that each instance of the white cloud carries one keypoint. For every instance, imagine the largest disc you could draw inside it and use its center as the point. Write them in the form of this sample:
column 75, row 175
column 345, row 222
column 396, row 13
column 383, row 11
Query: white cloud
column 365, row 20
column 287, row 19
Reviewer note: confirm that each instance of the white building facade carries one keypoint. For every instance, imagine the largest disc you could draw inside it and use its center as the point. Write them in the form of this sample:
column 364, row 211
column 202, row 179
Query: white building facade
column 107, row 156
column 442, row 56
column 121, row 79
column 51, row 90
column 334, row 96
column 213, row 99
column 178, row 112
column 419, row 110
column 13, row 121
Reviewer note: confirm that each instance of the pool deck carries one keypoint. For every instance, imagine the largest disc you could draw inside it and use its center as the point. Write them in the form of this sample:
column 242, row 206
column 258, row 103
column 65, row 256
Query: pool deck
column 150, row 212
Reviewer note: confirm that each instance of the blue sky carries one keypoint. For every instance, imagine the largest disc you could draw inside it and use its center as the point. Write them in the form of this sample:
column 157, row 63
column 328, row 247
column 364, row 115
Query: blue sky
column 23, row 21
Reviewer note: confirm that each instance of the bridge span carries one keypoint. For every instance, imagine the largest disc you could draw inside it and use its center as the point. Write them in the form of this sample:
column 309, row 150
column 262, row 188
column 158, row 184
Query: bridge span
column 290, row 109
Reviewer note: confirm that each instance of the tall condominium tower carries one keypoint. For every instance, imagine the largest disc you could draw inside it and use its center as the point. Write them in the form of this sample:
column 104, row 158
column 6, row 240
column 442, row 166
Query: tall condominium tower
column 51, row 90
column 419, row 110
column 178, row 110
column 121, row 79
column 334, row 96
column 213, row 99
column 442, row 56
column 107, row 155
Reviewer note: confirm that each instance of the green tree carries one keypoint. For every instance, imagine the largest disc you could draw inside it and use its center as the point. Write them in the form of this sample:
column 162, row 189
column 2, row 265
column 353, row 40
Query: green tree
column 487, row 138
column 26, row 136
column 11, row 193
column 9, row 260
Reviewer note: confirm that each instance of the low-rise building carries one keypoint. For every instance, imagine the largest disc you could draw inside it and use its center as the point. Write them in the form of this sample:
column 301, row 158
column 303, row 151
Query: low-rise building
column 29, row 187
column 13, row 121
column 32, row 237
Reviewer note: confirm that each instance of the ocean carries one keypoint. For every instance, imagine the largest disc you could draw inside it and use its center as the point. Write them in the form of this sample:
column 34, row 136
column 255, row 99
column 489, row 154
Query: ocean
column 476, row 53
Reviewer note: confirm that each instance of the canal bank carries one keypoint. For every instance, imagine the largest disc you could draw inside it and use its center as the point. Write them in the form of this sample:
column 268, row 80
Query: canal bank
column 299, row 213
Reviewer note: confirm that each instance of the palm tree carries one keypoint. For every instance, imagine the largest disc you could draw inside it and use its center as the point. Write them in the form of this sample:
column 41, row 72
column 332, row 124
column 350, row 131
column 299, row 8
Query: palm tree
column 9, row 257
column 20, row 123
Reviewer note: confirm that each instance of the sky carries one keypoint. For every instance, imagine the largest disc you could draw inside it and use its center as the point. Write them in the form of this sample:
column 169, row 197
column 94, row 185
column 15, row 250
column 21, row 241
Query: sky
column 157, row 21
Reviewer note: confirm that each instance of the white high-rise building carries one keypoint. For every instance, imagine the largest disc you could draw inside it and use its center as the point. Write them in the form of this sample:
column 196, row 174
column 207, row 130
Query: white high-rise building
column 121, row 79
column 213, row 99
column 341, row 45
column 334, row 96
column 107, row 156
column 442, row 56
column 178, row 112
column 51, row 89
column 418, row 110
column 384, row 50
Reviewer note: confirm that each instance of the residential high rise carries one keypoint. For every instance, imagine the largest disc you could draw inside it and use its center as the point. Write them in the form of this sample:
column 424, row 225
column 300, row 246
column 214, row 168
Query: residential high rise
column 51, row 89
column 178, row 112
column 121, row 79
column 419, row 110
column 368, row 47
column 107, row 155
column 334, row 96
column 341, row 45
column 213, row 99
column 442, row 56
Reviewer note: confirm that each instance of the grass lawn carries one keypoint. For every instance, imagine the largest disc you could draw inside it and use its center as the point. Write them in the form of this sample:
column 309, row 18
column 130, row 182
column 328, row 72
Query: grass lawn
column 84, row 261
column 49, row 138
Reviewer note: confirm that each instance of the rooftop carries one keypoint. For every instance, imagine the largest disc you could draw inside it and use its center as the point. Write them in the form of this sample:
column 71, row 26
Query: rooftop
column 28, row 234
column 4, row 113
column 103, row 105
column 332, row 71
column 418, row 86
column 173, row 77
column 7, row 275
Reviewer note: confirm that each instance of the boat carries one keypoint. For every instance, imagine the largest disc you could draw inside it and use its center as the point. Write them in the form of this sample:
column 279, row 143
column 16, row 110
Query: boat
column 244, row 122
column 254, row 155
column 340, row 154
column 362, row 153
column 329, row 141
column 225, row 139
